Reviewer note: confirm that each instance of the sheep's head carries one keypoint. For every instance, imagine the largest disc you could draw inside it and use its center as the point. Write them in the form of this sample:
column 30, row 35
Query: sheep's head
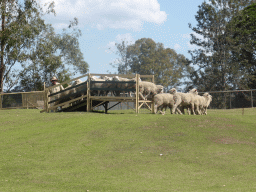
column 160, row 89
column 173, row 91
column 206, row 94
column 116, row 78
column 194, row 91
column 210, row 97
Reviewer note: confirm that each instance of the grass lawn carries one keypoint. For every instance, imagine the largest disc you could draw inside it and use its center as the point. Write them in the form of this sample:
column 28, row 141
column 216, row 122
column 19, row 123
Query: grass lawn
column 122, row 151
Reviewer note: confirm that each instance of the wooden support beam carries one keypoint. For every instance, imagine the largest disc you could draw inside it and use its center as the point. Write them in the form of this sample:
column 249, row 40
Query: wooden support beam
column 98, row 104
column 88, row 94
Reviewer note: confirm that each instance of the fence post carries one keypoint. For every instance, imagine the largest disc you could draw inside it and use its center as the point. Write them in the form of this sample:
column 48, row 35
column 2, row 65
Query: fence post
column 251, row 99
column 0, row 101
column 137, row 94
column 230, row 99
column 88, row 93
column 153, row 103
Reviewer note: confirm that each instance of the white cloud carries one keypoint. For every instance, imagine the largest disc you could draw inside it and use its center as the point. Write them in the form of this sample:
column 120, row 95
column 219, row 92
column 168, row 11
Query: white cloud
column 117, row 14
column 177, row 47
column 111, row 47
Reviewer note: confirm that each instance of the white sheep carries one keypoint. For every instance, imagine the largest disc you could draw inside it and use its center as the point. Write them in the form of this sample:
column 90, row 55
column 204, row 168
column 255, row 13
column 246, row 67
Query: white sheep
column 184, row 100
column 164, row 100
column 208, row 99
column 146, row 88
column 96, row 85
column 124, row 85
column 79, row 90
column 160, row 89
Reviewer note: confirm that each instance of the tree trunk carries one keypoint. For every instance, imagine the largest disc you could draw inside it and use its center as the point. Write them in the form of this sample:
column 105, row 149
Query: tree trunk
column 2, row 66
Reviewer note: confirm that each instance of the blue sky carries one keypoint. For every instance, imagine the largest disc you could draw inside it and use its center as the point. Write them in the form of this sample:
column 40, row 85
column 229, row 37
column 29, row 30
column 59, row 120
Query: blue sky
column 106, row 22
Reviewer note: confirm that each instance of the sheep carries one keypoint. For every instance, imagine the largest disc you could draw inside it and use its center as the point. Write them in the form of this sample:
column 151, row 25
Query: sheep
column 184, row 99
column 108, row 85
column 164, row 100
column 96, row 85
column 124, row 85
column 202, row 102
column 160, row 89
column 208, row 99
column 146, row 88
column 80, row 90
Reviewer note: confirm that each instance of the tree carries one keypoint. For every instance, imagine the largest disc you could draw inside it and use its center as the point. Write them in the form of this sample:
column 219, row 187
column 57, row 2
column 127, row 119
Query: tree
column 20, row 25
column 49, row 56
column 243, row 40
column 215, row 69
column 27, row 40
column 149, row 58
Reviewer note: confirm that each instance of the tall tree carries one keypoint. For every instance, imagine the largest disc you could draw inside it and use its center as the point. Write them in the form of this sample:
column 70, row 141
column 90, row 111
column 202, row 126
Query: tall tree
column 149, row 58
column 215, row 70
column 50, row 54
column 20, row 23
column 243, row 40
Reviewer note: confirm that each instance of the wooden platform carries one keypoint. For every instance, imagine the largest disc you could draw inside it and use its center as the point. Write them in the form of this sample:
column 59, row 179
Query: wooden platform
column 87, row 102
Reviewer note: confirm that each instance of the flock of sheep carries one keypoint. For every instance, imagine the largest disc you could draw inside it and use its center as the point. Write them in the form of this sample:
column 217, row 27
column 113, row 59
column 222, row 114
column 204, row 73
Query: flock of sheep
column 178, row 101
column 118, row 86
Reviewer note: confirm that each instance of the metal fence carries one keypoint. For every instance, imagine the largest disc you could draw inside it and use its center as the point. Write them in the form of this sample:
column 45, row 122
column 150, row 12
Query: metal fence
column 232, row 99
column 27, row 100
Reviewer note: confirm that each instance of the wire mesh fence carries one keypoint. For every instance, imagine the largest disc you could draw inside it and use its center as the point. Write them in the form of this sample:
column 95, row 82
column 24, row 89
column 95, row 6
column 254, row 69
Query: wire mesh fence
column 22, row 100
column 220, row 100
column 232, row 99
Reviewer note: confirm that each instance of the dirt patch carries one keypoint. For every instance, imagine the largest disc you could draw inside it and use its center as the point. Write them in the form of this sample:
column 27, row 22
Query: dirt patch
column 230, row 140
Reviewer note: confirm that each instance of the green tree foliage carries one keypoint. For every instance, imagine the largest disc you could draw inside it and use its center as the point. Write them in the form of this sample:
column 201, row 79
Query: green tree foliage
column 146, row 57
column 215, row 69
column 20, row 24
column 27, row 41
column 50, row 55
column 244, row 45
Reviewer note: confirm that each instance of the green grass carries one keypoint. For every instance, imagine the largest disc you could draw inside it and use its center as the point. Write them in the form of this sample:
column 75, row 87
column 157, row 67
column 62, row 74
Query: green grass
column 121, row 151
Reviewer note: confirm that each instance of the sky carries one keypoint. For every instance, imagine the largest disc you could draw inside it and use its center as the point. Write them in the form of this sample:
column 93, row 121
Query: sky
column 106, row 22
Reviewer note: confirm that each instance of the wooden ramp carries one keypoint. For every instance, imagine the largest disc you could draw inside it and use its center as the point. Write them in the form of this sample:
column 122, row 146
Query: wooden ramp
column 88, row 96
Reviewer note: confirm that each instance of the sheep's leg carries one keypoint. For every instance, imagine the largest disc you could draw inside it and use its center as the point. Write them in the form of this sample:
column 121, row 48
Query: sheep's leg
column 192, row 108
column 177, row 109
column 198, row 111
column 156, row 109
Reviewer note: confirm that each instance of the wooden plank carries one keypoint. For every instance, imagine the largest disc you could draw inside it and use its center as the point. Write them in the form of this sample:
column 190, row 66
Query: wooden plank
column 111, row 89
column 112, row 98
column 88, row 94
column 112, row 75
column 70, row 101
column 69, row 89
column 98, row 105
column 113, row 105
column 113, row 82
column 145, row 101
column 66, row 97
column 137, row 94
column 32, row 92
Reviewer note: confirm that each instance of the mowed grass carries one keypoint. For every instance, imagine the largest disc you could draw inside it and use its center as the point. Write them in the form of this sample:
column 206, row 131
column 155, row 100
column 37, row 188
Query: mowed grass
column 120, row 151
